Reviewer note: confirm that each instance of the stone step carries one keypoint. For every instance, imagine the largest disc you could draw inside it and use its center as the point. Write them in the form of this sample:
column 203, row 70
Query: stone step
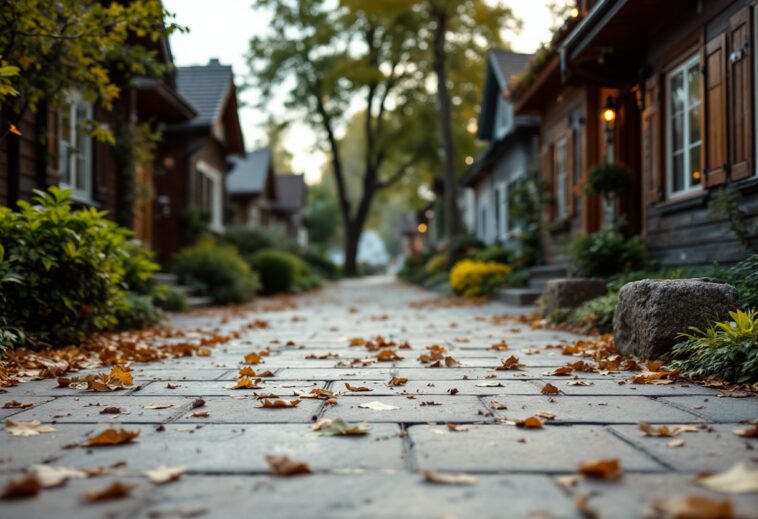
column 518, row 296
column 559, row 270
column 199, row 301
column 166, row 278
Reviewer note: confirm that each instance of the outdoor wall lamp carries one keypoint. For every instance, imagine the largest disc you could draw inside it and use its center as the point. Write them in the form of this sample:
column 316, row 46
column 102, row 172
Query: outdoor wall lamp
column 422, row 228
column 608, row 113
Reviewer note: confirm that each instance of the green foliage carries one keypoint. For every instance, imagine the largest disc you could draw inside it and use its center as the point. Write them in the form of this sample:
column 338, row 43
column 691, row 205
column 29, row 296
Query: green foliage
column 606, row 252
column 249, row 240
column 497, row 254
column 170, row 299
column 305, row 279
column 70, row 265
column 139, row 267
column 276, row 270
column 321, row 264
column 48, row 48
column 596, row 313
column 744, row 276
column 217, row 271
column 463, row 246
column 436, row 264
column 136, row 311
column 194, row 224
column 610, row 179
column 725, row 350
column 726, row 204
column 322, row 217
column 525, row 202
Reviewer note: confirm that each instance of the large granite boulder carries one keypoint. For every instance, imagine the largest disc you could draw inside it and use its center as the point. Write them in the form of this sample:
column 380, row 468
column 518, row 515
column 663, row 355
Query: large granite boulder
column 571, row 292
column 651, row 313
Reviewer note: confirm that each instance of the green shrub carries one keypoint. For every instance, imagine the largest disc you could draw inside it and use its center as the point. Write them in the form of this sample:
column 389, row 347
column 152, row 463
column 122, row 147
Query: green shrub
column 139, row 267
column 321, row 264
column 519, row 278
column 497, row 254
column 194, row 224
column 436, row 264
column 304, row 277
column 725, row 350
column 249, row 240
column 610, row 179
column 744, row 276
column 136, row 311
column 596, row 313
column 276, row 270
column 217, row 271
column 170, row 299
column 463, row 246
column 70, row 265
column 605, row 253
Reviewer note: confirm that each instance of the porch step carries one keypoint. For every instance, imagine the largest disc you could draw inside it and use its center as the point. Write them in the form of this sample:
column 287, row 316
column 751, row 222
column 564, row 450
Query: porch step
column 518, row 296
column 539, row 276
column 199, row 302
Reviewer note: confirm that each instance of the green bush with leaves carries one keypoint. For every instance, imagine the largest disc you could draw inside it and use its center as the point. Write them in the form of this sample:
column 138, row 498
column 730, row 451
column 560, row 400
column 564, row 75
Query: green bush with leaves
column 216, row 271
column 321, row 264
column 139, row 267
column 463, row 246
column 169, row 298
column 305, row 278
column 249, row 240
column 605, row 253
column 744, row 276
column 725, row 350
column 276, row 270
column 71, row 268
column 610, row 179
column 497, row 254
column 436, row 264
column 136, row 311
column 596, row 313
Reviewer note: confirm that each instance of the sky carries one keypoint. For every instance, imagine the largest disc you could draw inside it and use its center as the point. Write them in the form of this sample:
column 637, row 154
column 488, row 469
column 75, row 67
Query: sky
column 222, row 29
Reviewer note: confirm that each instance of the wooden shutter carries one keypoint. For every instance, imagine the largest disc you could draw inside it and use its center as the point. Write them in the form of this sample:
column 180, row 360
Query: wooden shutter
column 740, row 62
column 546, row 165
column 570, row 171
column 652, row 150
column 716, row 110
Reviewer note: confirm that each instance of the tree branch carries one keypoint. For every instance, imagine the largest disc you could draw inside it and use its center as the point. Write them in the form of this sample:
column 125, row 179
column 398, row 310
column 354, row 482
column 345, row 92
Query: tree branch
column 398, row 174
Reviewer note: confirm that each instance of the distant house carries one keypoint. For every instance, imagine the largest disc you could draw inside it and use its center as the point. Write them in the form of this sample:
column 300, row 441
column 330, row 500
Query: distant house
column 669, row 90
column 288, row 209
column 252, row 188
column 507, row 161
column 196, row 156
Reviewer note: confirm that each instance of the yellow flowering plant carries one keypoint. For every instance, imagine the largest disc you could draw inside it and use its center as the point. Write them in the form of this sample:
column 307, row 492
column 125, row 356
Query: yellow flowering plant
column 471, row 278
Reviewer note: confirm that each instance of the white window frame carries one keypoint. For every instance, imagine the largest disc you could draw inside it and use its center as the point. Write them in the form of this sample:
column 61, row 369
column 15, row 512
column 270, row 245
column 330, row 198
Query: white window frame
column 501, row 199
column 689, row 187
column 74, row 102
column 561, row 179
column 217, row 196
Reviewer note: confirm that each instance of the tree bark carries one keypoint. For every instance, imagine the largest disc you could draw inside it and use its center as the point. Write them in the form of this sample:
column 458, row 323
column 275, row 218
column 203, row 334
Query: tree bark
column 452, row 216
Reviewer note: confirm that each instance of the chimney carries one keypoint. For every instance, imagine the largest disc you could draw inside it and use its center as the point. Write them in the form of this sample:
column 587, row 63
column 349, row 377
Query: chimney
column 214, row 61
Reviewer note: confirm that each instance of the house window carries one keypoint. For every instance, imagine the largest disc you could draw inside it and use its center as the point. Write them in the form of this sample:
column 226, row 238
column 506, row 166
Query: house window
column 209, row 194
column 683, row 132
column 561, row 179
column 75, row 147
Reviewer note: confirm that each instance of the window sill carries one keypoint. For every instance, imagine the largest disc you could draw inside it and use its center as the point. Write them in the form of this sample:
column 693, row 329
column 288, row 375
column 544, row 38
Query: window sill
column 681, row 203
column 747, row 185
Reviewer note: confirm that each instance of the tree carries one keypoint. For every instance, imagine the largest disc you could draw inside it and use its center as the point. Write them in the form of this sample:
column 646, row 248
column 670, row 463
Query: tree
column 46, row 48
column 322, row 216
column 282, row 157
column 331, row 57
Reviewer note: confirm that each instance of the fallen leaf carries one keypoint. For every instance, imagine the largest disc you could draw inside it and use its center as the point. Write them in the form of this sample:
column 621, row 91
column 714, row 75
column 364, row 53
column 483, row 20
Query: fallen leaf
column 247, row 371
column 115, row 490
column 532, row 422
column 666, row 431
column 568, row 481
column 199, row 402
column 457, row 427
column 580, row 383
column 317, row 393
column 550, row 389
column 112, row 410
column 111, row 437
column 582, row 504
column 652, row 377
column 339, row 427
column 751, row 432
column 163, row 474
column 158, row 406
column 563, row 371
column 283, row 466
column 357, row 388
column 737, row 480
column 279, row 404
column 388, row 356
column 169, row 385
column 49, row 476
column 693, row 507
column 675, row 443
column 509, row 363
column 499, row 346
column 489, row 384
column 15, row 404
column 546, row 415
column 32, row 428
column 440, row 478
column 607, row 469
column 246, row 383
column 450, row 362
column 253, row 358
column 200, row 414
column 377, row 406
column 21, row 489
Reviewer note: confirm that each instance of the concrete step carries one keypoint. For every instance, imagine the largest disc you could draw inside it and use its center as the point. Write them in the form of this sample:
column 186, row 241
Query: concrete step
column 549, row 271
column 199, row 301
column 166, row 278
column 518, row 296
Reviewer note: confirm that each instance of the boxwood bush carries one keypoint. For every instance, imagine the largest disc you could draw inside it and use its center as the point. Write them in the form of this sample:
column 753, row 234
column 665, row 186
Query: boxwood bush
column 606, row 252
column 276, row 270
column 216, row 271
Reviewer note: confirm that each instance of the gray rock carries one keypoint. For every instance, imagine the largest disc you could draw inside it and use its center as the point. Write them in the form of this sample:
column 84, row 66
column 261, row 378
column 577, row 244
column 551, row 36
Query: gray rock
column 571, row 292
column 651, row 313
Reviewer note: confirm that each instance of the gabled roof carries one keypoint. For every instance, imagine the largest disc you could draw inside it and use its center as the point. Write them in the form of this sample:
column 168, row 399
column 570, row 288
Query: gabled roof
column 502, row 65
column 206, row 88
column 248, row 175
column 291, row 191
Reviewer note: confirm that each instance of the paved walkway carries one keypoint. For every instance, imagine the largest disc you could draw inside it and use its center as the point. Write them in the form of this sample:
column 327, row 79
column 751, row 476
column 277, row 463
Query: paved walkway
column 517, row 469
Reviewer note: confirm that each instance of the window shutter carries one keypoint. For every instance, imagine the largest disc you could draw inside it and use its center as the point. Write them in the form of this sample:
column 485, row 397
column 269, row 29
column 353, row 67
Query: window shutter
column 716, row 110
column 570, row 171
column 546, row 164
column 740, row 94
column 651, row 141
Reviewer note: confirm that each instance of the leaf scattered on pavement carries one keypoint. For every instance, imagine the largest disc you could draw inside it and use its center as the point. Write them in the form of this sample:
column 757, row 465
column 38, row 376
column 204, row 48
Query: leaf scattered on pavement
column 550, row 389
column 377, row 406
column 339, row 427
column 279, row 403
column 695, row 507
column 115, row 490
column 607, row 469
column 163, row 474
column 666, row 431
column 511, row 363
column 397, row 381
column 440, row 478
column 25, row 429
column 158, row 406
column 110, row 437
column 283, row 466
column 737, row 480
column 499, row 346
column 49, row 476
column 21, row 489
column 15, row 404
column 351, row 387
column 532, row 422
column 751, row 432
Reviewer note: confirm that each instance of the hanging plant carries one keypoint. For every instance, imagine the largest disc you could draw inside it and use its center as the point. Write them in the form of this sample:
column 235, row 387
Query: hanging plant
column 610, row 179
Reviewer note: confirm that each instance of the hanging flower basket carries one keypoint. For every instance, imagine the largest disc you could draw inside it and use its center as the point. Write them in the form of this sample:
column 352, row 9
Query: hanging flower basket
column 610, row 179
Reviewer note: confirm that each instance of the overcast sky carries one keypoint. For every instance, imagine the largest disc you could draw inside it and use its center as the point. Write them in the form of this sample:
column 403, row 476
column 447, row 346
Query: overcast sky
column 222, row 28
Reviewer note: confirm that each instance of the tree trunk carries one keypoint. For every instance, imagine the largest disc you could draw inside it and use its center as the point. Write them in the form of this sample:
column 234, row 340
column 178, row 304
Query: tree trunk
column 452, row 216
column 352, row 237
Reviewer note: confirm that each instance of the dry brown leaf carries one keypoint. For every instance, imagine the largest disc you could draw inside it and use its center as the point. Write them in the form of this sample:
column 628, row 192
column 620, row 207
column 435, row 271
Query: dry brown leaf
column 351, row 387
column 563, row 371
column 499, row 346
column 397, row 381
column 283, row 466
column 450, row 362
column 253, row 358
column 751, row 432
column 246, row 383
column 666, row 431
column 247, row 371
column 279, row 404
column 550, row 389
column 440, row 478
column 26, row 429
column 509, row 363
column 532, row 422
column 607, row 469
column 111, row 437
column 582, row 503
column 157, row 406
column 388, row 356
column 568, row 482
column 457, row 427
column 200, row 414
column 693, row 507
column 15, row 404
column 22, row 488
column 737, row 480
column 115, row 490
column 675, row 443
column 652, row 377
column 163, row 474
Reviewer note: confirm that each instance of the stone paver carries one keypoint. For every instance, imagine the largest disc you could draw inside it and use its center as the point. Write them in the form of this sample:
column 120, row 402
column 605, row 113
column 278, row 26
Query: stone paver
column 376, row 475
